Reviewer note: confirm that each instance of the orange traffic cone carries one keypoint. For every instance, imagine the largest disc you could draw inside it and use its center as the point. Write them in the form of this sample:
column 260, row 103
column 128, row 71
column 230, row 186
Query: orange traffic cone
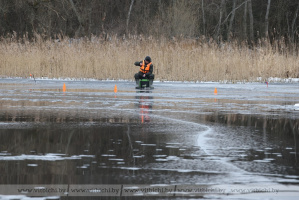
column 64, row 88
column 115, row 89
column 215, row 91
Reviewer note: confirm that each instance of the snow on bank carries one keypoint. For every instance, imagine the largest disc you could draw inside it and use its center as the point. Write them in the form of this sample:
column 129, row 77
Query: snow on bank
column 259, row 79
column 279, row 80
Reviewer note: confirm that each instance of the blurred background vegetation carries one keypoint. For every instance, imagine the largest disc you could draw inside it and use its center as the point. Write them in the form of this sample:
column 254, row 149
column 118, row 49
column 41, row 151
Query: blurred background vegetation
column 243, row 20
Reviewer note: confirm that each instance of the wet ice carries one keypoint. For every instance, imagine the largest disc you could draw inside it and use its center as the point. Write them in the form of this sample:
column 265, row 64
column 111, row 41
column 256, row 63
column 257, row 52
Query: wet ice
column 178, row 133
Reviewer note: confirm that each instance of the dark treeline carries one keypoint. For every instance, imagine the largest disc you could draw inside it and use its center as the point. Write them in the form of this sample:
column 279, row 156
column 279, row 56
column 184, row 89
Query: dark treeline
column 242, row 20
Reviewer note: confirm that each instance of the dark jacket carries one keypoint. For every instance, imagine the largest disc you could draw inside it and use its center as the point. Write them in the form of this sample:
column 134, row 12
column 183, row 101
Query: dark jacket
column 150, row 70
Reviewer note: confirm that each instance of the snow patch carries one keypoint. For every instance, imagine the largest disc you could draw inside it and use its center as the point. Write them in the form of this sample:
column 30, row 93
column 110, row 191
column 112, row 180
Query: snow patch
column 46, row 157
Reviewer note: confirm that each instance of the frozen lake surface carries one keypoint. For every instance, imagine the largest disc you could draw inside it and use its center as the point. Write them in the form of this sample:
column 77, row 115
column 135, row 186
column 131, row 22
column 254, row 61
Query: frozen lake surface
column 178, row 134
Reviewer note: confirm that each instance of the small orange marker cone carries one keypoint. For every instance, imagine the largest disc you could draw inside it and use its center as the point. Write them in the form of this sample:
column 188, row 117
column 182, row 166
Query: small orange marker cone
column 64, row 88
column 215, row 91
column 115, row 89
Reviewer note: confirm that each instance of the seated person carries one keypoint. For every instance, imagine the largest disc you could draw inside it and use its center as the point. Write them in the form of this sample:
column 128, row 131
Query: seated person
column 146, row 69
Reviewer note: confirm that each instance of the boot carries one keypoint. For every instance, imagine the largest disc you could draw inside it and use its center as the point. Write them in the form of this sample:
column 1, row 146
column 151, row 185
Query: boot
column 151, row 81
column 137, row 83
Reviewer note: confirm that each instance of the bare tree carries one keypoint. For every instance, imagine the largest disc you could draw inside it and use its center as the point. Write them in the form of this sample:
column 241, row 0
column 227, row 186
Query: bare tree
column 229, row 31
column 250, row 20
column 293, row 29
column 245, row 21
column 203, row 18
column 218, row 27
column 267, row 20
column 129, row 14
column 80, row 19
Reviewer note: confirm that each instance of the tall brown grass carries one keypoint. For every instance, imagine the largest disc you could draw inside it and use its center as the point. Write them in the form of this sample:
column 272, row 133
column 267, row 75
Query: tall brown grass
column 181, row 60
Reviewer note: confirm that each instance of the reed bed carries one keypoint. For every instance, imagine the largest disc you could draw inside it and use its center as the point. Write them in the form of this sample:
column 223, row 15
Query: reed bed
column 173, row 60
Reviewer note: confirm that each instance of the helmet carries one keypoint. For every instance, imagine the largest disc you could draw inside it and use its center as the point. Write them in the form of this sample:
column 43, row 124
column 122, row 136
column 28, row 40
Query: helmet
column 147, row 58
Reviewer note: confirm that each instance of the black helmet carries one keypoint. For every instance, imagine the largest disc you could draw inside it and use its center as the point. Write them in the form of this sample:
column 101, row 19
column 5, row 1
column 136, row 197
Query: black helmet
column 147, row 58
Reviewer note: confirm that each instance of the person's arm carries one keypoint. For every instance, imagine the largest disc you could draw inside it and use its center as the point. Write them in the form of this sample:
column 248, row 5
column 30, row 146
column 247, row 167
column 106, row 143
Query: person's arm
column 137, row 63
column 150, row 70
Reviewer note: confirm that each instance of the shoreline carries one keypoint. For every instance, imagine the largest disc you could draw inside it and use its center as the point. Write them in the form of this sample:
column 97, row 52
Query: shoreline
column 258, row 80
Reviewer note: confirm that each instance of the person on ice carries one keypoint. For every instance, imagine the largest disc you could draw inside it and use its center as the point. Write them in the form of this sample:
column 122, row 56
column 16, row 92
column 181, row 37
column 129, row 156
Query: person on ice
column 146, row 70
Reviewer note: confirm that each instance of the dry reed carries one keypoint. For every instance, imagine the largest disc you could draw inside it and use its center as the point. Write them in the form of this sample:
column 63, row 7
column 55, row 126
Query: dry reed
column 180, row 60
